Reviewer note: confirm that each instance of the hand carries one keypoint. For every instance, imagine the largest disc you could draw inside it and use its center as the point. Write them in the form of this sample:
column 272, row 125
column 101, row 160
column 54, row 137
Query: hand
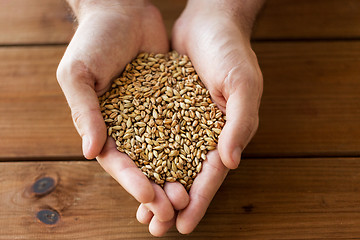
column 110, row 34
column 218, row 44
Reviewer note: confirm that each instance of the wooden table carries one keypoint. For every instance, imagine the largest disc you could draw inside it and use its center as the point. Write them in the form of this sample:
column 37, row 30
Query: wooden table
column 300, row 176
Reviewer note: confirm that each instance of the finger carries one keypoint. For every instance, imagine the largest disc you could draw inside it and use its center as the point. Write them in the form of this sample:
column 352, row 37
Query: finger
column 241, row 116
column 160, row 206
column 158, row 228
column 125, row 172
column 201, row 193
column 143, row 215
column 177, row 195
column 77, row 84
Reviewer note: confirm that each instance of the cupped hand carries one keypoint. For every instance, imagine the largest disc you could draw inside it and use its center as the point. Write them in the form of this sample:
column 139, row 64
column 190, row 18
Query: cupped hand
column 218, row 44
column 109, row 35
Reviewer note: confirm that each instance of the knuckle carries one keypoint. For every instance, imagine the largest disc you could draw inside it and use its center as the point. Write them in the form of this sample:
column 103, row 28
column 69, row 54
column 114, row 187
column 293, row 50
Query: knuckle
column 77, row 119
column 250, row 126
column 82, row 117
column 252, row 123
column 247, row 77
column 70, row 70
column 76, row 116
column 60, row 72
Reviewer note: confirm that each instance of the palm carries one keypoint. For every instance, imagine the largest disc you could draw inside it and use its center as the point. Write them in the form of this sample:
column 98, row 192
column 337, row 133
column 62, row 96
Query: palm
column 135, row 35
column 228, row 67
column 104, row 43
column 226, row 64
column 144, row 36
column 213, row 172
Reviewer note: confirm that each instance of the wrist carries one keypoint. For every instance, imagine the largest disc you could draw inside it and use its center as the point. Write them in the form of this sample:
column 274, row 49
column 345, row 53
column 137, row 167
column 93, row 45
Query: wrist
column 241, row 12
column 82, row 8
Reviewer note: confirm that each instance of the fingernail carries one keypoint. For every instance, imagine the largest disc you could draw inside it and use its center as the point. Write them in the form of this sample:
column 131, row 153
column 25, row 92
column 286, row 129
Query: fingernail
column 85, row 145
column 236, row 156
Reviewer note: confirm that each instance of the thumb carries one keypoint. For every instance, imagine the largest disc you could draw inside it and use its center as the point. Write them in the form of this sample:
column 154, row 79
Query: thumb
column 77, row 83
column 241, row 116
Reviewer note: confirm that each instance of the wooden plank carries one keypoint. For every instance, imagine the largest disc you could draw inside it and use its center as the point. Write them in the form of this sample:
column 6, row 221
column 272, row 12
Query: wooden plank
column 308, row 19
column 35, row 22
column 263, row 199
column 170, row 11
column 311, row 103
column 44, row 21
column 35, row 119
column 288, row 19
column 310, row 106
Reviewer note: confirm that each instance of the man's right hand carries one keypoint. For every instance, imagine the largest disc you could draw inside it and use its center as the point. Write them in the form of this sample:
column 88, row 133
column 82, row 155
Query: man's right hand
column 110, row 34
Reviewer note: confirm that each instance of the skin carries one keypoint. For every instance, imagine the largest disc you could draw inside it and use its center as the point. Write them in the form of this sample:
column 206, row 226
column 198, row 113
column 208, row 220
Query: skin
column 215, row 34
column 228, row 67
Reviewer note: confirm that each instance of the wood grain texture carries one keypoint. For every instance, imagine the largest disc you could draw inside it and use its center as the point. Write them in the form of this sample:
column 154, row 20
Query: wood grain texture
column 35, row 22
column 50, row 21
column 170, row 11
column 264, row 199
column 310, row 106
column 35, row 119
column 306, row 19
column 311, row 102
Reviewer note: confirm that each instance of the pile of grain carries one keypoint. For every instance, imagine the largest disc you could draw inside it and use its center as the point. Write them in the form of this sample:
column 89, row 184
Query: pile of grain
column 160, row 114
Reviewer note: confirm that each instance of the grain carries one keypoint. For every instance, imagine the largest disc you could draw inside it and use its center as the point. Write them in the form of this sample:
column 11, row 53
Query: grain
column 161, row 115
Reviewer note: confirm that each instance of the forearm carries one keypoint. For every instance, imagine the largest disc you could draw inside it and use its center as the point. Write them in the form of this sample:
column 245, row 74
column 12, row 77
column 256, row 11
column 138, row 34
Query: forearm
column 243, row 12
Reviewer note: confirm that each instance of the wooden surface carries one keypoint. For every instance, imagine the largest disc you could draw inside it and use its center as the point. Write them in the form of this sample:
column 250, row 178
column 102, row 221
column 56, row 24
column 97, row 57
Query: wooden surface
column 309, row 19
column 35, row 22
column 263, row 199
column 35, row 119
column 311, row 104
column 50, row 21
column 300, row 176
